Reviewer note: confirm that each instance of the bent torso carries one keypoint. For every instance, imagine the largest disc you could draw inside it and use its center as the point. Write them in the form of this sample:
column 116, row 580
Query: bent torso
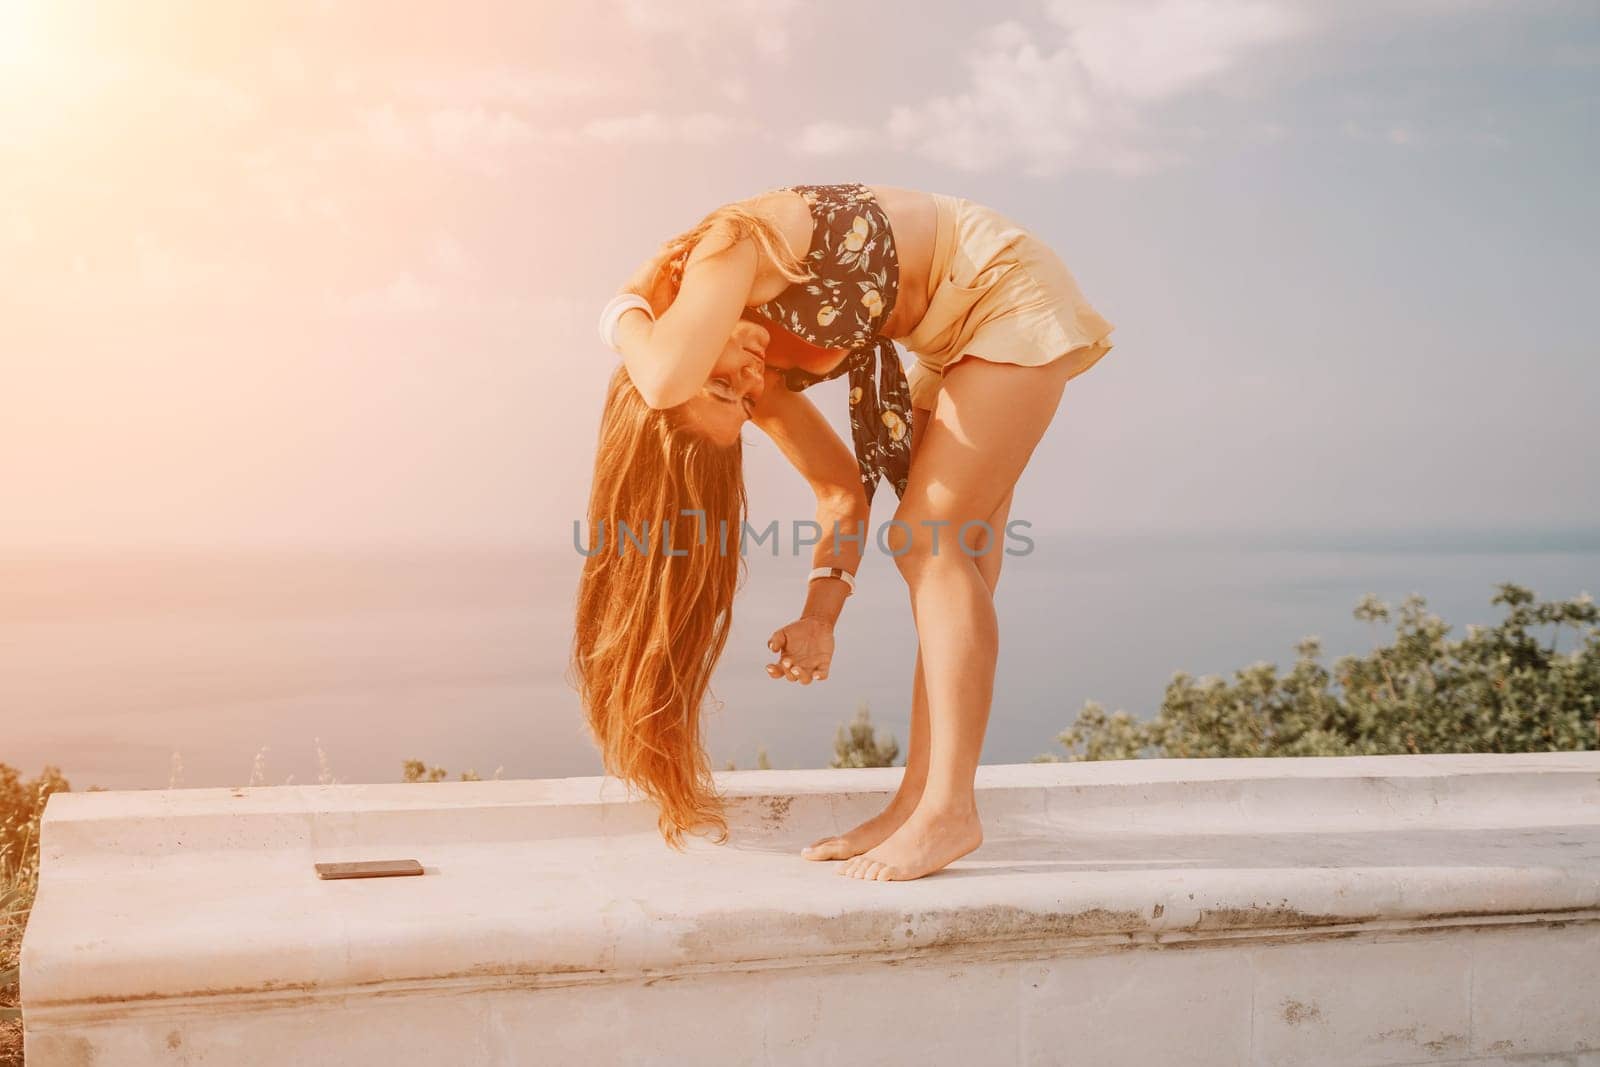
column 913, row 218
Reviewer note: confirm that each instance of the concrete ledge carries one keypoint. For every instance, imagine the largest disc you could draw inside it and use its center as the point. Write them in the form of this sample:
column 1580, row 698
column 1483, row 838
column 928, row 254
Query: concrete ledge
column 162, row 906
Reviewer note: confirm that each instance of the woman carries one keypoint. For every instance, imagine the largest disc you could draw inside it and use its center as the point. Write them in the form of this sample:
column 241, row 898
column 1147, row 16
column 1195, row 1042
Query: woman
column 730, row 322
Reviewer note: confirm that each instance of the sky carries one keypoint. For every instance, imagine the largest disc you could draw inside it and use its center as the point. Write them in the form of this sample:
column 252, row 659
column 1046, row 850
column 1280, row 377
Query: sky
column 327, row 273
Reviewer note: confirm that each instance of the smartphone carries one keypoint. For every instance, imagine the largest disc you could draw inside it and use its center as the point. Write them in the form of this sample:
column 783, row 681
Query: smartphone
column 369, row 869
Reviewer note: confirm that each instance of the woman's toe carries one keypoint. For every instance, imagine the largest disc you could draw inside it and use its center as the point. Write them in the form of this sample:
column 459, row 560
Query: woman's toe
column 829, row 848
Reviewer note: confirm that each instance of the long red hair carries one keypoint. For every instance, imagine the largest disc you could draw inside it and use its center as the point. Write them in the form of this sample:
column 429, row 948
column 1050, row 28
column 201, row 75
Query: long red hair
column 652, row 624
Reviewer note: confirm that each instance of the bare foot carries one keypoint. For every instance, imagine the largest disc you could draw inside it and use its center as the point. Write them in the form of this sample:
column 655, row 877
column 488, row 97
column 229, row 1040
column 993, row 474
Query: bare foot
column 924, row 843
column 878, row 828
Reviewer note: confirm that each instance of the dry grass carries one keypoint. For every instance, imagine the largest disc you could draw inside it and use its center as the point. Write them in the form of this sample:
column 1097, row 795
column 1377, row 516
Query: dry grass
column 21, row 804
column 16, row 897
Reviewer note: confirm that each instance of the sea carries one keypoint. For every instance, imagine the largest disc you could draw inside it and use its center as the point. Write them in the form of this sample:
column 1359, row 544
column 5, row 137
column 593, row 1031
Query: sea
column 139, row 669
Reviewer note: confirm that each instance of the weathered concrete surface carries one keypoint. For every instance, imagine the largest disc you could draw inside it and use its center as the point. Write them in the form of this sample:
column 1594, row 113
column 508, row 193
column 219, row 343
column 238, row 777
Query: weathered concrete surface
column 1373, row 910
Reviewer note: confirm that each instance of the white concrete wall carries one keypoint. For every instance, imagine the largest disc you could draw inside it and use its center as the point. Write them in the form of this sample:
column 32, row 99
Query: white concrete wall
column 1382, row 910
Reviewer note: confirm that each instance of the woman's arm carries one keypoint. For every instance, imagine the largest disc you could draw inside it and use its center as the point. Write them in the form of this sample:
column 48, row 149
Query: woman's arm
column 669, row 359
column 830, row 468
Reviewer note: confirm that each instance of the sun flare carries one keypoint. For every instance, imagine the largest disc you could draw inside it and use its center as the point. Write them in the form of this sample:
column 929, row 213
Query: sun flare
column 21, row 34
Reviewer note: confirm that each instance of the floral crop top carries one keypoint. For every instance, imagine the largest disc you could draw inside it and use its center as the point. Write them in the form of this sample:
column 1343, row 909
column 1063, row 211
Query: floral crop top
column 855, row 280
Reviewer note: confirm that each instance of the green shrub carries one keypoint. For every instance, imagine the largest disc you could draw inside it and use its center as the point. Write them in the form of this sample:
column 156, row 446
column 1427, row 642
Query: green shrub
column 857, row 744
column 1503, row 688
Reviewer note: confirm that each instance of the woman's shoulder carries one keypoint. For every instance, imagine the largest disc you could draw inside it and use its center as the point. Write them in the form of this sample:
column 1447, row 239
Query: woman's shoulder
column 787, row 216
column 785, row 209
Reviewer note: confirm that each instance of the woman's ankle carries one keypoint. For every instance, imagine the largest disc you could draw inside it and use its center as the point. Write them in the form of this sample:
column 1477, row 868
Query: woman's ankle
column 946, row 805
column 909, row 795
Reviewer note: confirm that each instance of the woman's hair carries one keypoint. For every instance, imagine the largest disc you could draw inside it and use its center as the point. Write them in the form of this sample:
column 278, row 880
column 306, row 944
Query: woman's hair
column 653, row 621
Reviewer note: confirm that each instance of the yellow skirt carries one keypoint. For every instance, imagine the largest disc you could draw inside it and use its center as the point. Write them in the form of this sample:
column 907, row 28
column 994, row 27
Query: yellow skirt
column 1000, row 294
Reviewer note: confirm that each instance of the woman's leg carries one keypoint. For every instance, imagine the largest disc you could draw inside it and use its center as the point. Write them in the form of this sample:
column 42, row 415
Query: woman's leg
column 857, row 840
column 989, row 560
column 987, row 422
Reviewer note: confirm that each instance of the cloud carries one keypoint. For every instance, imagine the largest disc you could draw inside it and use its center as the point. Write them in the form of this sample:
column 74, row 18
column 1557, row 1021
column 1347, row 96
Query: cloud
column 489, row 119
column 1405, row 133
column 450, row 257
column 1155, row 51
column 1076, row 95
column 385, row 128
column 79, row 97
column 470, row 130
column 833, row 138
column 483, row 138
column 651, row 127
column 714, row 26
column 516, row 87
column 430, row 292
column 1023, row 105
column 403, row 295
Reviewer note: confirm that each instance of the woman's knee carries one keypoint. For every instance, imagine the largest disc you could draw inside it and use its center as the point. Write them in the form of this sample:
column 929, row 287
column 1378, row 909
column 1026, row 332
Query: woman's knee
column 916, row 542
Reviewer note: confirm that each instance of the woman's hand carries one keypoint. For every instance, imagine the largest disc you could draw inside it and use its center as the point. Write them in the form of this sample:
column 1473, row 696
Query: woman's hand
column 805, row 649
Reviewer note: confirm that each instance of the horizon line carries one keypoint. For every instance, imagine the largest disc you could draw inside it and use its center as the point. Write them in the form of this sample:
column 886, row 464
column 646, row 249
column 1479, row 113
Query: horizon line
column 1445, row 537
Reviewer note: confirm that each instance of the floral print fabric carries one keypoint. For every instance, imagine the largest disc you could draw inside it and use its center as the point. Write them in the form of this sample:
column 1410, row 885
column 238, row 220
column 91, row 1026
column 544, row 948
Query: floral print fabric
column 855, row 278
